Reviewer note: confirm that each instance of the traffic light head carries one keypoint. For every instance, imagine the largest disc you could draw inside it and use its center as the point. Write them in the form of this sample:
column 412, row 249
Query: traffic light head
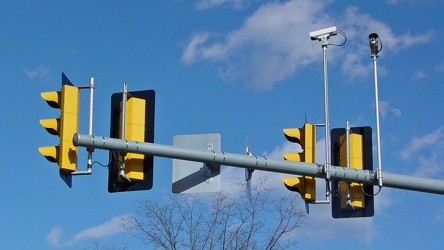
column 67, row 100
column 305, row 186
column 352, row 199
column 139, row 126
column 68, row 127
column 134, row 131
column 51, row 153
column 306, row 137
column 52, row 98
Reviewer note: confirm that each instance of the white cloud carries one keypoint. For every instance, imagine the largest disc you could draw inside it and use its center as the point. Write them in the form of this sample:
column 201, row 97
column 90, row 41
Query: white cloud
column 38, row 72
column 111, row 227
column 268, row 47
column 418, row 143
column 419, row 74
column 358, row 25
column 355, row 54
column 353, row 60
column 321, row 225
column 196, row 49
column 272, row 44
column 386, row 109
column 285, row 147
column 426, row 153
column 412, row 3
column 430, row 166
column 439, row 215
column 439, row 67
column 209, row 4
column 55, row 237
column 383, row 200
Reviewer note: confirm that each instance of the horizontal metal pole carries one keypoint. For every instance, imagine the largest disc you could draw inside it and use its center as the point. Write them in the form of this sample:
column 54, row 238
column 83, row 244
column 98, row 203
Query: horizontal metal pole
column 413, row 183
column 260, row 163
column 210, row 157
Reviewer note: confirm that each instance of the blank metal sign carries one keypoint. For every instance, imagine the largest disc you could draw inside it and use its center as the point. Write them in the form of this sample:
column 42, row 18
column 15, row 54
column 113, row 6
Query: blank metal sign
column 196, row 177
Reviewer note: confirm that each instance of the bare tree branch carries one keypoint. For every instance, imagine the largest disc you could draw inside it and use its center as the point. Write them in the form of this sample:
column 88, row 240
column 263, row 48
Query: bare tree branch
column 186, row 221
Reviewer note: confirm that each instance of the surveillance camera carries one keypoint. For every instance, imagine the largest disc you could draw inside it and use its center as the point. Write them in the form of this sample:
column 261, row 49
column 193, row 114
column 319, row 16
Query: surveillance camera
column 374, row 45
column 318, row 34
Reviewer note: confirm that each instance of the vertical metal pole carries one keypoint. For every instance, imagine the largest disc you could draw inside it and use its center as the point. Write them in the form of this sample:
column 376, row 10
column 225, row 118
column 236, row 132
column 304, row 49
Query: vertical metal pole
column 326, row 116
column 122, row 132
column 347, row 139
column 347, row 156
column 90, row 121
column 123, row 111
column 378, row 135
column 324, row 42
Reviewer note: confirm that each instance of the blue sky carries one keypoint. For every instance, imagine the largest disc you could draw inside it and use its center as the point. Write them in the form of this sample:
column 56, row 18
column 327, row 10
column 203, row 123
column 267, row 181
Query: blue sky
column 235, row 67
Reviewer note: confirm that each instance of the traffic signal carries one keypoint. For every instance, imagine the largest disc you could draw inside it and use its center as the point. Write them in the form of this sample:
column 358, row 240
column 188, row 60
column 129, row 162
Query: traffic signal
column 306, row 137
column 134, row 131
column 305, row 185
column 65, row 154
column 351, row 193
column 139, row 126
column 352, row 199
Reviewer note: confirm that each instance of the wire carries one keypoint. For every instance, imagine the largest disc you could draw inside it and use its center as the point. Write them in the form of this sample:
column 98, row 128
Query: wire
column 372, row 195
column 103, row 165
column 114, row 157
column 338, row 192
column 345, row 38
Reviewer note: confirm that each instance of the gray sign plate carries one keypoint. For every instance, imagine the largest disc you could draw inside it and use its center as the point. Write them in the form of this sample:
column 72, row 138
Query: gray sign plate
column 195, row 177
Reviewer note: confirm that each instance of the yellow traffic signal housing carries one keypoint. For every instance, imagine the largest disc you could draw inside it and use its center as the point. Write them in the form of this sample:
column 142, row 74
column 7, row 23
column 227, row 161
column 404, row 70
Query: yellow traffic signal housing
column 67, row 100
column 306, row 137
column 356, row 161
column 134, row 131
column 306, row 186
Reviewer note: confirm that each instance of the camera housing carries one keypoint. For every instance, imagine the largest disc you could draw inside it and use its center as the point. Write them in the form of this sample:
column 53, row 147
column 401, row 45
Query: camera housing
column 374, row 44
column 323, row 33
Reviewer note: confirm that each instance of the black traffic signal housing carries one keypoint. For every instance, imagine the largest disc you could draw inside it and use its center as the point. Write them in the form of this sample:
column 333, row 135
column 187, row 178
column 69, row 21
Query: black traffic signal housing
column 360, row 196
column 138, row 168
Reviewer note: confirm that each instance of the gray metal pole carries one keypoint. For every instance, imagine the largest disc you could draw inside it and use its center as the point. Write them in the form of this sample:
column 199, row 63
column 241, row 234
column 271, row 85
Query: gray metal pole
column 378, row 133
column 123, row 131
column 90, row 128
column 326, row 115
column 90, row 120
column 260, row 163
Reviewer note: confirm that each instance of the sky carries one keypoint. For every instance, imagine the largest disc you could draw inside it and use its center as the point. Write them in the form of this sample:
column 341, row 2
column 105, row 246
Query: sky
column 235, row 67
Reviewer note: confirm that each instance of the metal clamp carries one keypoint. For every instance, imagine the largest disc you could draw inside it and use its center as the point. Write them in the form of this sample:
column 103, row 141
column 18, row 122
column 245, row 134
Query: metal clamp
column 210, row 165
